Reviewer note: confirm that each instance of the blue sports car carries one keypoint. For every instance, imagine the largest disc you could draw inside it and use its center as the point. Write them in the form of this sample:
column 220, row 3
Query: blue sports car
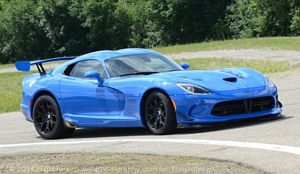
column 139, row 88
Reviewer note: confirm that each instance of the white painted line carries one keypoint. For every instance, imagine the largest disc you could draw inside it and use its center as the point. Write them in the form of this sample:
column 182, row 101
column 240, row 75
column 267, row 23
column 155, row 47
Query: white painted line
column 260, row 146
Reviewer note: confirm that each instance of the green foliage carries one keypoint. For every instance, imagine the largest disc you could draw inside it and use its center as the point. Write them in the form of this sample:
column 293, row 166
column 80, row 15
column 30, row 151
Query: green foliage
column 277, row 17
column 21, row 36
column 245, row 19
column 59, row 20
column 36, row 29
column 145, row 31
column 107, row 22
column 253, row 18
column 295, row 23
column 189, row 21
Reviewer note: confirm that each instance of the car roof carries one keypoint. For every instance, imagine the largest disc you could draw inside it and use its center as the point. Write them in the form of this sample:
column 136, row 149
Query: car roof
column 106, row 54
column 103, row 55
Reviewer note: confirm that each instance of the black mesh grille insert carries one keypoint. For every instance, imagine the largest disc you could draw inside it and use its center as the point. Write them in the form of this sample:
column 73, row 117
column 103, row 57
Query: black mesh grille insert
column 243, row 106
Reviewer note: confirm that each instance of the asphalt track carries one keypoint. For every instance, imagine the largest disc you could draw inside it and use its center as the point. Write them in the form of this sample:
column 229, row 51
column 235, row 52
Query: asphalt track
column 270, row 144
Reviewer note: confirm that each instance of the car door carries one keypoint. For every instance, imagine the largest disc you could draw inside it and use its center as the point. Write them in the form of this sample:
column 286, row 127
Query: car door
column 83, row 97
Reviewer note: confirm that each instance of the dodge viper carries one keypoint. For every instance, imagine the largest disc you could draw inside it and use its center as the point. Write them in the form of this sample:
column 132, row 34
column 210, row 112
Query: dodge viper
column 139, row 88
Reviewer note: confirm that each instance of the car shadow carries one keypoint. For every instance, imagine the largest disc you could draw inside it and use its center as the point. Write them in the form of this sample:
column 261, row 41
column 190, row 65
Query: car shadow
column 109, row 132
column 232, row 124
column 119, row 132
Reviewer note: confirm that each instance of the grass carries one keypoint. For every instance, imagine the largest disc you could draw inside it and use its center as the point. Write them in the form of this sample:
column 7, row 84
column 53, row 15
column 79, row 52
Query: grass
column 263, row 66
column 116, row 163
column 4, row 66
column 283, row 43
column 11, row 93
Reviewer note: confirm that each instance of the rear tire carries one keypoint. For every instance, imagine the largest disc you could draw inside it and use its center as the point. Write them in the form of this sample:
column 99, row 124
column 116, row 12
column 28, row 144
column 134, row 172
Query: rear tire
column 47, row 119
column 159, row 114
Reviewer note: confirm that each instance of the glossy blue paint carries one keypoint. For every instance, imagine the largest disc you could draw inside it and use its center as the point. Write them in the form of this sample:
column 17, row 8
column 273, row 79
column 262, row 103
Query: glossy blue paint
column 95, row 75
column 185, row 65
column 117, row 102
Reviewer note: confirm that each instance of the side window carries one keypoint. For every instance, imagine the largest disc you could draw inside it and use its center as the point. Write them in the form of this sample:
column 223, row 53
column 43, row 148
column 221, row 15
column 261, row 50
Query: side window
column 83, row 67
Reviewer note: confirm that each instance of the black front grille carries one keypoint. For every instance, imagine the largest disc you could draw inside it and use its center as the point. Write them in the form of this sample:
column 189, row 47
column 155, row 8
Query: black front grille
column 243, row 106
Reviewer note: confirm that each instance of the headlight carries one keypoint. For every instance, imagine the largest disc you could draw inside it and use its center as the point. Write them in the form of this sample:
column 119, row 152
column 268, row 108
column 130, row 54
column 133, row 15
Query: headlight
column 269, row 82
column 190, row 88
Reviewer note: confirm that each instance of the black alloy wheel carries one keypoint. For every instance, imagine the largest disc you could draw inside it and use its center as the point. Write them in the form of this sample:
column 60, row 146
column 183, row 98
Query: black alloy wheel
column 47, row 119
column 159, row 114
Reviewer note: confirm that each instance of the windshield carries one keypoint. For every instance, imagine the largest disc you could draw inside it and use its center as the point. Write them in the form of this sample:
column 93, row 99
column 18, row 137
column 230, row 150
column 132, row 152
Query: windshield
column 140, row 64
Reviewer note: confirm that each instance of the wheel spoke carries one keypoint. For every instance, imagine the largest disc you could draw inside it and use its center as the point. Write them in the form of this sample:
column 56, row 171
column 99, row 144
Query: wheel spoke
column 41, row 109
column 155, row 123
column 52, row 110
column 151, row 110
column 45, row 117
column 52, row 125
column 43, row 126
column 152, row 118
column 156, row 102
column 151, row 115
column 38, row 112
column 53, row 118
column 162, row 123
column 155, row 114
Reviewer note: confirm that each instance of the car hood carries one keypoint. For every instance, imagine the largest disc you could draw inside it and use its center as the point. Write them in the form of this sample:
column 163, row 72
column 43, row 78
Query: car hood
column 218, row 79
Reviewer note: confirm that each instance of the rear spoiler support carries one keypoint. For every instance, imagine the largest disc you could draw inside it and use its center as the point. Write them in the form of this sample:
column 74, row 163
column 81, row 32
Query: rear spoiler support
column 41, row 69
column 25, row 65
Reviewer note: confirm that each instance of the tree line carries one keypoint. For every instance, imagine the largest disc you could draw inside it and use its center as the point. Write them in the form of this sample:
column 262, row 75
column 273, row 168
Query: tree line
column 35, row 29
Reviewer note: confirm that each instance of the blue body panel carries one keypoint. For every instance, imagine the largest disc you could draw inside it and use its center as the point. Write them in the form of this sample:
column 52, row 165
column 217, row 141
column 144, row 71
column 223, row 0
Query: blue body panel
column 118, row 102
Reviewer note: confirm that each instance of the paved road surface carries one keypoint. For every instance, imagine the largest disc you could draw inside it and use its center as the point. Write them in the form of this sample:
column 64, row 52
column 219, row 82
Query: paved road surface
column 278, row 148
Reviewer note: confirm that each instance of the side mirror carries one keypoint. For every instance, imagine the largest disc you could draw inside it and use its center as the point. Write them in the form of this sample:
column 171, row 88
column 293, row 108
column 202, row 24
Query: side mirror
column 184, row 65
column 94, row 75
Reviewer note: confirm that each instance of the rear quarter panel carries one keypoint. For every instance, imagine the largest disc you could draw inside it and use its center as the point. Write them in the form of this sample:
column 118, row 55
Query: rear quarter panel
column 32, row 85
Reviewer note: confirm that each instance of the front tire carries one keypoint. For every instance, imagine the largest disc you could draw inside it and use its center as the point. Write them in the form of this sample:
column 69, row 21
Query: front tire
column 47, row 119
column 159, row 114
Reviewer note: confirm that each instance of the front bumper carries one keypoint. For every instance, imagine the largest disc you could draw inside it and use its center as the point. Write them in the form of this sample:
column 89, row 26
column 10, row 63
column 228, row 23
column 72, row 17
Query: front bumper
column 196, row 109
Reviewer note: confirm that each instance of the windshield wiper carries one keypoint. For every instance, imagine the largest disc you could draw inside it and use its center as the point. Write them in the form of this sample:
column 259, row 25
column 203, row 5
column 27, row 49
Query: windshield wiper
column 139, row 73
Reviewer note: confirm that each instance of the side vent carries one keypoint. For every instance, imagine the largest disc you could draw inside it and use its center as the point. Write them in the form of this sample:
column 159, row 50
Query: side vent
column 230, row 79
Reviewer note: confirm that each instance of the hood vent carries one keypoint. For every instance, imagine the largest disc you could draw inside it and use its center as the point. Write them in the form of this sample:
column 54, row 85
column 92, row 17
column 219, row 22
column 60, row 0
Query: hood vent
column 230, row 79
